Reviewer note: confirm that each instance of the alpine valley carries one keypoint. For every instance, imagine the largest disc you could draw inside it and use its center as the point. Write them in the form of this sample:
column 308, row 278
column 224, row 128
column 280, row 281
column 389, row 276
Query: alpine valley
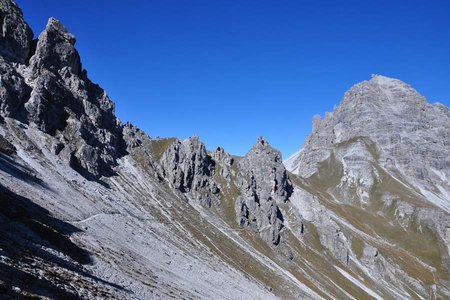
column 91, row 208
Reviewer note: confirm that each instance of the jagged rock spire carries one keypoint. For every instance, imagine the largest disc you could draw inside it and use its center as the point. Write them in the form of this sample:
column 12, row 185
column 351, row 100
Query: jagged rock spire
column 188, row 168
column 51, row 92
column 263, row 182
column 55, row 49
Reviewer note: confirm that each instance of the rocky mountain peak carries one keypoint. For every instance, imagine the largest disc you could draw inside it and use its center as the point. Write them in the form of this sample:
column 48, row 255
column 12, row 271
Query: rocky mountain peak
column 381, row 95
column 55, row 49
column 264, row 183
column 15, row 36
column 50, row 92
column 369, row 219
column 389, row 83
column 220, row 155
column 407, row 133
column 262, row 150
column 188, row 168
column 56, row 27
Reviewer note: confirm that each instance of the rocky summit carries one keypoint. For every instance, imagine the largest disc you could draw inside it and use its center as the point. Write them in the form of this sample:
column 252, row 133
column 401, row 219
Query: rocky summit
column 91, row 208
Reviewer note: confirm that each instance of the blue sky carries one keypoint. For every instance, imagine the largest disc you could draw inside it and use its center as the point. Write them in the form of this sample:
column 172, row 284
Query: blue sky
column 230, row 71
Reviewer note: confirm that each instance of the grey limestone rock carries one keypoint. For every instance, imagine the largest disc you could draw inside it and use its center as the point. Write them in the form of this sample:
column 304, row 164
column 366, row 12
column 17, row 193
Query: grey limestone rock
column 54, row 94
column 66, row 104
column 14, row 92
column 225, row 161
column 409, row 133
column 133, row 136
column 382, row 125
column 220, row 155
column 384, row 150
column 55, row 50
column 15, row 44
column 15, row 35
column 263, row 182
column 370, row 253
column 189, row 168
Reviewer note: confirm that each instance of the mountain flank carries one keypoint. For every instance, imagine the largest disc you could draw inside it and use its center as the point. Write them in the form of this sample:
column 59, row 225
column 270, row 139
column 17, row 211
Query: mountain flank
column 92, row 208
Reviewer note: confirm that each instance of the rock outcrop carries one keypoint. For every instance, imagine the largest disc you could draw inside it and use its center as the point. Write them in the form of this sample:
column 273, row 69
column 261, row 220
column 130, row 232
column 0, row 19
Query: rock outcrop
column 67, row 105
column 15, row 36
column 263, row 182
column 51, row 91
column 14, row 92
column 380, row 158
column 407, row 133
column 15, row 46
column 367, row 218
column 189, row 168
column 224, row 160
column 55, row 51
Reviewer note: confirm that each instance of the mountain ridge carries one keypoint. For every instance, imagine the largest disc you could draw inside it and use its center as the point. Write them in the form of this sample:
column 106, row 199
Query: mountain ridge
column 163, row 217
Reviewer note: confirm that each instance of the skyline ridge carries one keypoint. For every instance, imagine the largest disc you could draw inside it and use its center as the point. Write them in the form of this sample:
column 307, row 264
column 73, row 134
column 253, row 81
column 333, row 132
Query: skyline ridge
column 243, row 72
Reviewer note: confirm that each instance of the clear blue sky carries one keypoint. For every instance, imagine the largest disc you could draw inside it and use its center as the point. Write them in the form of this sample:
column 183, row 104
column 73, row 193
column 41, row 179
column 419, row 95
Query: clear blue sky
column 230, row 71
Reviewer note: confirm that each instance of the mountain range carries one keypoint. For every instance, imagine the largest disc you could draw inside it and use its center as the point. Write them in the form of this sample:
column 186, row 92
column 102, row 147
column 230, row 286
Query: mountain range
column 92, row 208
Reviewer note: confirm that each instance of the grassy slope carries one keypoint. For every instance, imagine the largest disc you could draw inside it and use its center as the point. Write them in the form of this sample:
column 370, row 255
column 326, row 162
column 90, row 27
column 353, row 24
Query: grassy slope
column 312, row 265
column 411, row 247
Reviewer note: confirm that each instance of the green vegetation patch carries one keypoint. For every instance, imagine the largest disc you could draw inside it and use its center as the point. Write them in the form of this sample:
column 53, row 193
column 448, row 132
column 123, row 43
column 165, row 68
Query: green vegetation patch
column 157, row 147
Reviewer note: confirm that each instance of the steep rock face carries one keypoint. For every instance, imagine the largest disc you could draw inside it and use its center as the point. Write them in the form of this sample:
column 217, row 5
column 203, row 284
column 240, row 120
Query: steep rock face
column 133, row 136
column 263, row 182
column 189, row 169
column 15, row 43
column 358, row 174
column 55, row 50
column 380, row 163
column 14, row 92
column 66, row 104
column 409, row 134
column 356, row 227
column 54, row 94
column 331, row 236
column 225, row 161
column 15, row 36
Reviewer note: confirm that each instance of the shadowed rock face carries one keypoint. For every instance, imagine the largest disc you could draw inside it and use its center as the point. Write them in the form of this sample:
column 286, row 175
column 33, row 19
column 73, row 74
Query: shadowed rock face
column 263, row 182
column 53, row 93
column 15, row 44
column 14, row 92
column 15, row 36
column 32, row 243
column 67, row 105
column 367, row 219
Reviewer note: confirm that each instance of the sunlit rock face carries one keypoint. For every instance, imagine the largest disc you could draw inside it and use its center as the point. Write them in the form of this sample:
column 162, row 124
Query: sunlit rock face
column 190, row 169
column 382, row 157
column 43, row 83
column 263, row 181
column 406, row 134
column 92, row 208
